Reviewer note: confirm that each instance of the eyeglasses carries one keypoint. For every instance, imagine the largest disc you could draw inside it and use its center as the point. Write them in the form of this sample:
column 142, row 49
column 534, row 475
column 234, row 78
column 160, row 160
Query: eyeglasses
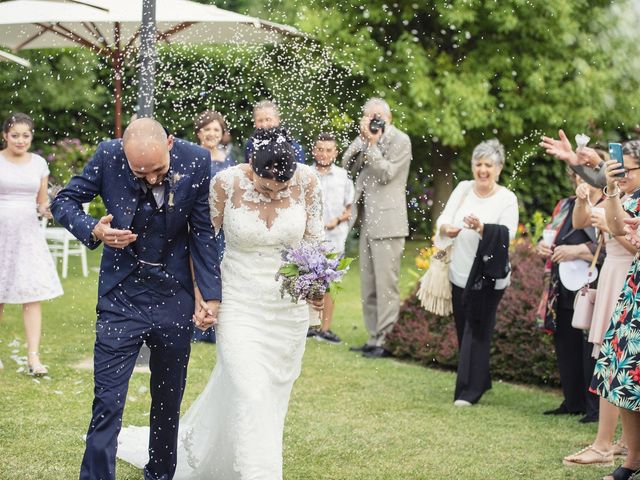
column 627, row 170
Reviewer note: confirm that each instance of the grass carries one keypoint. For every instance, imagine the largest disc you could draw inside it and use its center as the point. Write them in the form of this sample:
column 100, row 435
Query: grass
column 350, row 417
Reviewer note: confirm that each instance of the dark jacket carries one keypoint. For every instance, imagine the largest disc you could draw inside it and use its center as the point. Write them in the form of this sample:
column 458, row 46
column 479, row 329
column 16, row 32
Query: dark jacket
column 491, row 264
column 189, row 232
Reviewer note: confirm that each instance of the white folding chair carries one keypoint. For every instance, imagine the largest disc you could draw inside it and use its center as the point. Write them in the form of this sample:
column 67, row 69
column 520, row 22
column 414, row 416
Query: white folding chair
column 62, row 244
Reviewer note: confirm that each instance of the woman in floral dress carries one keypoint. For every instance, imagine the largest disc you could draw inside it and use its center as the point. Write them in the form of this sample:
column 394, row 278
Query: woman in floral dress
column 617, row 372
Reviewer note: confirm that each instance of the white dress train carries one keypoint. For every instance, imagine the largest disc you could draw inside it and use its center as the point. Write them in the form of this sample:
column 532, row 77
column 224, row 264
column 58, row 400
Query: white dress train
column 234, row 429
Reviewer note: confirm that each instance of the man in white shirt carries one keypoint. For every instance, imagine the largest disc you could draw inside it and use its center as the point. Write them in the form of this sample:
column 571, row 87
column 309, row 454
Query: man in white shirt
column 337, row 193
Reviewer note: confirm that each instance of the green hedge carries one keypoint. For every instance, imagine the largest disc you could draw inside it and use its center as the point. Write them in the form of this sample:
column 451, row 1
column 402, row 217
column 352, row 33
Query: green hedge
column 520, row 352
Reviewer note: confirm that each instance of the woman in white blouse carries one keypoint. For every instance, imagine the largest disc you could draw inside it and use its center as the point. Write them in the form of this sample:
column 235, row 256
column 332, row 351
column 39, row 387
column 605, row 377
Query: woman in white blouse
column 479, row 219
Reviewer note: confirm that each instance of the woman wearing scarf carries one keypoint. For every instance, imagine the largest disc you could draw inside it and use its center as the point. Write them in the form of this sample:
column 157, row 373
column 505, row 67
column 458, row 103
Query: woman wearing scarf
column 479, row 219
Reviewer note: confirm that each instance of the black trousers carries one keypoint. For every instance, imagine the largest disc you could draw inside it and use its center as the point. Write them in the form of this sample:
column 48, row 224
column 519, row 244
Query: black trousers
column 474, row 343
column 569, row 344
column 575, row 365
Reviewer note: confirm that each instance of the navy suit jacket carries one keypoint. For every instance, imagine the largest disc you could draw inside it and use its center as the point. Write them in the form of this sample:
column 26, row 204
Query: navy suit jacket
column 188, row 224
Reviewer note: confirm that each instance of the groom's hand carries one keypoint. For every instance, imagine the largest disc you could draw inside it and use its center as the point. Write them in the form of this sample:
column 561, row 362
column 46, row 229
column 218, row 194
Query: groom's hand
column 207, row 314
column 112, row 237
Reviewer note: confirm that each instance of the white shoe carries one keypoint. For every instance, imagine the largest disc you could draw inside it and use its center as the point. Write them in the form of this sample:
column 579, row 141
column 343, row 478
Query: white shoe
column 462, row 403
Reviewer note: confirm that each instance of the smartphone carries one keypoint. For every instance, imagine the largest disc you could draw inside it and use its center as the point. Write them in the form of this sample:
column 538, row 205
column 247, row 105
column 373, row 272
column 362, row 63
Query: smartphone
column 615, row 152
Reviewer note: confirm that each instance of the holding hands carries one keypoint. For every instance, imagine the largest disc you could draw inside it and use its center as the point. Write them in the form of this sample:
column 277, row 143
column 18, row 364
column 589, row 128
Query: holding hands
column 112, row 237
column 206, row 313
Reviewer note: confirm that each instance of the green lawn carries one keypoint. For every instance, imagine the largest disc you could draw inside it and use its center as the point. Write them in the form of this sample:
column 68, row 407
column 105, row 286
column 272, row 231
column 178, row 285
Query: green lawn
column 350, row 418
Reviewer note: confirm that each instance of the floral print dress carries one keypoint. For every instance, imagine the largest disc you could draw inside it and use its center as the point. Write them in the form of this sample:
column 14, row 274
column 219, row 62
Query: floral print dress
column 617, row 373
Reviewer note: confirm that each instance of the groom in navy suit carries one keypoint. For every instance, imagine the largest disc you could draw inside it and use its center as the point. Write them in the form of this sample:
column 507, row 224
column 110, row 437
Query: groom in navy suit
column 160, row 268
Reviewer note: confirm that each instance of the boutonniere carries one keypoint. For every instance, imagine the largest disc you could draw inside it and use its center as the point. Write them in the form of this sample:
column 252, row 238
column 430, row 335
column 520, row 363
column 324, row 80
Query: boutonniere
column 174, row 178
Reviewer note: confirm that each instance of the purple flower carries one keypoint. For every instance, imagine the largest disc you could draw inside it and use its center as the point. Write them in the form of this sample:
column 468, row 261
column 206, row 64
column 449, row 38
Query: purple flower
column 310, row 270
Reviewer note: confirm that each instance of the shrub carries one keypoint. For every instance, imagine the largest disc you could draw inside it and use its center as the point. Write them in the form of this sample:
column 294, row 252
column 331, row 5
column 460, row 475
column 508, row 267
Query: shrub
column 520, row 352
column 67, row 158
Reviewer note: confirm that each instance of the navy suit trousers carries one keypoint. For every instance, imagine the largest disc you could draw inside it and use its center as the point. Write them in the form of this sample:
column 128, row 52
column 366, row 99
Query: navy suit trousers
column 129, row 315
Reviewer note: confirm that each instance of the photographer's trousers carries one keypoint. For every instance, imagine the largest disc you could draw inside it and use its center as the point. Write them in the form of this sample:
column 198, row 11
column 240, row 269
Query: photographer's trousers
column 379, row 271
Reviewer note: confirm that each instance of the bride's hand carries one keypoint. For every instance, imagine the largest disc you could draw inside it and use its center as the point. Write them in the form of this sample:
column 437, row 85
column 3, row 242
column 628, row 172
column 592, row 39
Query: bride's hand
column 317, row 304
column 206, row 315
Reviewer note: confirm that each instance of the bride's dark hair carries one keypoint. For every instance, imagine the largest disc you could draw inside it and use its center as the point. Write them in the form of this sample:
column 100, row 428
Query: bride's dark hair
column 273, row 156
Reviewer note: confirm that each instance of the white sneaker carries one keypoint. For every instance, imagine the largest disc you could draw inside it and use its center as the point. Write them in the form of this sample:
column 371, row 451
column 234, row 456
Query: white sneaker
column 462, row 403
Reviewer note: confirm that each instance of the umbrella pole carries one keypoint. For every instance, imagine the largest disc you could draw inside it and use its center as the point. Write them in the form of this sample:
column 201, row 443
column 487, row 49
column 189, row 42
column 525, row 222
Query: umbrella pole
column 116, row 58
column 147, row 60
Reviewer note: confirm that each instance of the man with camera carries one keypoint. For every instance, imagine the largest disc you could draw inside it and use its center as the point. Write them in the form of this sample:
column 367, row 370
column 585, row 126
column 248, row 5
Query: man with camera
column 378, row 160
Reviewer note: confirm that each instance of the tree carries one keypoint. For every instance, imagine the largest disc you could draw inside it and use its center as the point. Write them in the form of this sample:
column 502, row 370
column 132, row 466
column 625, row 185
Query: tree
column 459, row 71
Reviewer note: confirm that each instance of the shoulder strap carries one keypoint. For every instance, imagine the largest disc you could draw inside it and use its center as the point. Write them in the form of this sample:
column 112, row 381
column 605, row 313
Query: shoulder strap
column 463, row 198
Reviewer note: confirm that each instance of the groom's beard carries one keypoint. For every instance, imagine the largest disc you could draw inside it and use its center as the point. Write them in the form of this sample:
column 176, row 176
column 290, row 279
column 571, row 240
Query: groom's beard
column 157, row 184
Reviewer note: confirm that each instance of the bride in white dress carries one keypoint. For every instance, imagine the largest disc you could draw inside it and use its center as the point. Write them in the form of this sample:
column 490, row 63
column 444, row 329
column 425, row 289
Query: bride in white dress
column 234, row 429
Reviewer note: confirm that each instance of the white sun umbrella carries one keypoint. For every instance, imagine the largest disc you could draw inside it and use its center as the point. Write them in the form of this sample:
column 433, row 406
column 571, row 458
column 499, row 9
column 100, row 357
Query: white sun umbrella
column 112, row 28
column 6, row 56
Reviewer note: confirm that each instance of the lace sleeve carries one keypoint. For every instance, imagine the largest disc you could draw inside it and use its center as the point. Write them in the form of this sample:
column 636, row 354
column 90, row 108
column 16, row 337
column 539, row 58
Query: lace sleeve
column 217, row 199
column 314, row 231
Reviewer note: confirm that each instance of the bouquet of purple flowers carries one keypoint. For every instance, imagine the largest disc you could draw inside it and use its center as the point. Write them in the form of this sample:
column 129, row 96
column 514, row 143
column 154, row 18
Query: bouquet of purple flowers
column 311, row 270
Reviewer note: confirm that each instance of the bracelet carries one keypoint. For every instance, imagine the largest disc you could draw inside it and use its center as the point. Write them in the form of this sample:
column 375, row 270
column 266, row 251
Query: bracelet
column 614, row 194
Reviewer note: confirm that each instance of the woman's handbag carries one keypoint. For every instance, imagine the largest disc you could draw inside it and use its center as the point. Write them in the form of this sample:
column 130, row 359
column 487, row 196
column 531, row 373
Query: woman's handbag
column 583, row 308
column 435, row 288
column 586, row 298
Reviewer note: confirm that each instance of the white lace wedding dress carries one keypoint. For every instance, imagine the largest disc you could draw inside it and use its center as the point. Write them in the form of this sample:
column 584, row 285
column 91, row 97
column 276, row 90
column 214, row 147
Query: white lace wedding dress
column 234, row 428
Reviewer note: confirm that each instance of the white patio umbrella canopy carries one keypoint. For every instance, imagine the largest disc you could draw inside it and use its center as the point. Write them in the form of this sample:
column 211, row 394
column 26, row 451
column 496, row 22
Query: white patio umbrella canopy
column 48, row 24
column 112, row 28
column 6, row 56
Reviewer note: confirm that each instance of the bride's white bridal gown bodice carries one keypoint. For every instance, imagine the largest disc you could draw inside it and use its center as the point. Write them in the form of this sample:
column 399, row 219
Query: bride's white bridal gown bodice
column 234, row 428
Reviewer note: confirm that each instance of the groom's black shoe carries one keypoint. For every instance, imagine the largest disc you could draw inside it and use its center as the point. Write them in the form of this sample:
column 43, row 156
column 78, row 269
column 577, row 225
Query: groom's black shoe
column 377, row 352
column 362, row 348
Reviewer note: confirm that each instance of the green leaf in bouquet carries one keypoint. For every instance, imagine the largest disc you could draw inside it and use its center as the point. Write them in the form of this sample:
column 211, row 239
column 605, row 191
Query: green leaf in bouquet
column 344, row 263
column 289, row 270
column 331, row 255
column 334, row 288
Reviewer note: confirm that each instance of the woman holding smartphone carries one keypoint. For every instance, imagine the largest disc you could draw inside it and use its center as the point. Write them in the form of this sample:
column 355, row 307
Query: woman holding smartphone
column 617, row 374
column 620, row 253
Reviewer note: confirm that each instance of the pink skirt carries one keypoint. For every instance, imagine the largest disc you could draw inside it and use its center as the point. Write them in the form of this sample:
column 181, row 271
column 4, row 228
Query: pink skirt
column 611, row 280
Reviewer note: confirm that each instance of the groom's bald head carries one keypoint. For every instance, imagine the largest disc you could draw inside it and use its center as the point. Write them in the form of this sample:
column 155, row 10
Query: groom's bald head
column 146, row 146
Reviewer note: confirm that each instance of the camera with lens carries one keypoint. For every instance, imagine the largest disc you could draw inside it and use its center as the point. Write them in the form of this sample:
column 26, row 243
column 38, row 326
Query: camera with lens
column 377, row 123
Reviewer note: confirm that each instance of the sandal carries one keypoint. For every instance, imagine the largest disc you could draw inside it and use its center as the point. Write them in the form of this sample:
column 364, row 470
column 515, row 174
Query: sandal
column 589, row 456
column 37, row 370
column 619, row 449
column 622, row 473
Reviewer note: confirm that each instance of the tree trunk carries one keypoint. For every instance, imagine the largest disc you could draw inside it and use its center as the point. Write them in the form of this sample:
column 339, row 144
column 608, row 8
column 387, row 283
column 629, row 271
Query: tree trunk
column 443, row 180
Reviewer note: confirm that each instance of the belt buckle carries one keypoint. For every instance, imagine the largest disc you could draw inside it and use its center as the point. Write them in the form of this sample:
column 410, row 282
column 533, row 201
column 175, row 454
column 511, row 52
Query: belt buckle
column 151, row 263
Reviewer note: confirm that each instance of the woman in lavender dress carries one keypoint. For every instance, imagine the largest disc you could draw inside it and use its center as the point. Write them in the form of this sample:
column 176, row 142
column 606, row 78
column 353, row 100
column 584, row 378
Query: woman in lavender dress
column 27, row 272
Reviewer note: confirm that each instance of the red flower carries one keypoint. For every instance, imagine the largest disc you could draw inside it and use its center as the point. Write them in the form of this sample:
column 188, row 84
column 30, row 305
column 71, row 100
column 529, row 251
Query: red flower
column 635, row 374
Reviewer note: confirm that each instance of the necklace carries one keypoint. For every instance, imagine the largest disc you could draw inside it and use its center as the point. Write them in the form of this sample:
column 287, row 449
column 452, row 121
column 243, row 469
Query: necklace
column 479, row 195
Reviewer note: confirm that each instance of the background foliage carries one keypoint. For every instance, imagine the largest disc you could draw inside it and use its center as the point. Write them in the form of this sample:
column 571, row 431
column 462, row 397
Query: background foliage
column 520, row 352
column 455, row 72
